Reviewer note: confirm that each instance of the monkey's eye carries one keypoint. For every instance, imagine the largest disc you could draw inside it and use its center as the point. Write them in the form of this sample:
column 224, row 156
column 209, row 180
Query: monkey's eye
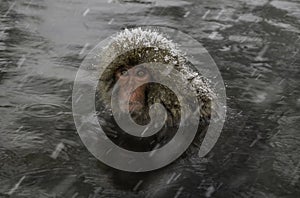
column 141, row 73
column 124, row 72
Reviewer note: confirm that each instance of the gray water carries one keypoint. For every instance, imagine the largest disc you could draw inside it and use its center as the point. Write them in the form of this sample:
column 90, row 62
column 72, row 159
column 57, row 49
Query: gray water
column 255, row 44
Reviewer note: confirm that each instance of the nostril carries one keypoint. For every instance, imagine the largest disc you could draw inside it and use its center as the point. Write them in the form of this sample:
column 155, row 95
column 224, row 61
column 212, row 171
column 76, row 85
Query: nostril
column 134, row 103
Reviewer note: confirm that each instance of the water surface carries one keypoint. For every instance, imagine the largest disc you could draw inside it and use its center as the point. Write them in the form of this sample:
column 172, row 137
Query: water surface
column 255, row 44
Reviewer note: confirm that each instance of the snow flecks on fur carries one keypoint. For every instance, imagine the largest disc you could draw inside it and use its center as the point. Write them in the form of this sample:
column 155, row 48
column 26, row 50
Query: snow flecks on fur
column 138, row 37
column 142, row 38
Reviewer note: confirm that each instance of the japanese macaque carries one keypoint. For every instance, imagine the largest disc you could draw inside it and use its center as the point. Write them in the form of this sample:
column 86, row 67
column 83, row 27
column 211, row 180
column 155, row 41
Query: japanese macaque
column 123, row 61
column 128, row 78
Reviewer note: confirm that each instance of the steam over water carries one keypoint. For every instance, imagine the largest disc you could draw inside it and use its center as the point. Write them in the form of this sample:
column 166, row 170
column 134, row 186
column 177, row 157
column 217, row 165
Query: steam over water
column 255, row 44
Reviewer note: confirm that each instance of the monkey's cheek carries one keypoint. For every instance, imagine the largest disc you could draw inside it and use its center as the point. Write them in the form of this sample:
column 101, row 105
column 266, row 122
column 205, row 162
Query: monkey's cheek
column 123, row 106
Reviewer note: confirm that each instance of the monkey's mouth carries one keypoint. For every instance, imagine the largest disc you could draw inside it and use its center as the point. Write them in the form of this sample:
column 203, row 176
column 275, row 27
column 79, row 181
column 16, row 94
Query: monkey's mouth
column 131, row 106
column 135, row 106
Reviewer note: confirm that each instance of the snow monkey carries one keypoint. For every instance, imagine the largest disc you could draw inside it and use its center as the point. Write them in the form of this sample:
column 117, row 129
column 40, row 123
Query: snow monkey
column 128, row 78
column 124, row 59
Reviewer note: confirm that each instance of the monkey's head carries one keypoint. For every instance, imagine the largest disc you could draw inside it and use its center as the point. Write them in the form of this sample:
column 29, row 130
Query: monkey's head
column 124, row 59
column 129, row 97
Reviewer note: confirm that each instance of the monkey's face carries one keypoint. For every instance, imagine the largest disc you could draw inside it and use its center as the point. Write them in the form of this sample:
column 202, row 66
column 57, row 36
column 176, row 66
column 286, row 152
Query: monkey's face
column 129, row 98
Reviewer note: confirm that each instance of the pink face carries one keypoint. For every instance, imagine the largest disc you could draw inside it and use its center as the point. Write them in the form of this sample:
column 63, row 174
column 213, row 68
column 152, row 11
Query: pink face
column 128, row 79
